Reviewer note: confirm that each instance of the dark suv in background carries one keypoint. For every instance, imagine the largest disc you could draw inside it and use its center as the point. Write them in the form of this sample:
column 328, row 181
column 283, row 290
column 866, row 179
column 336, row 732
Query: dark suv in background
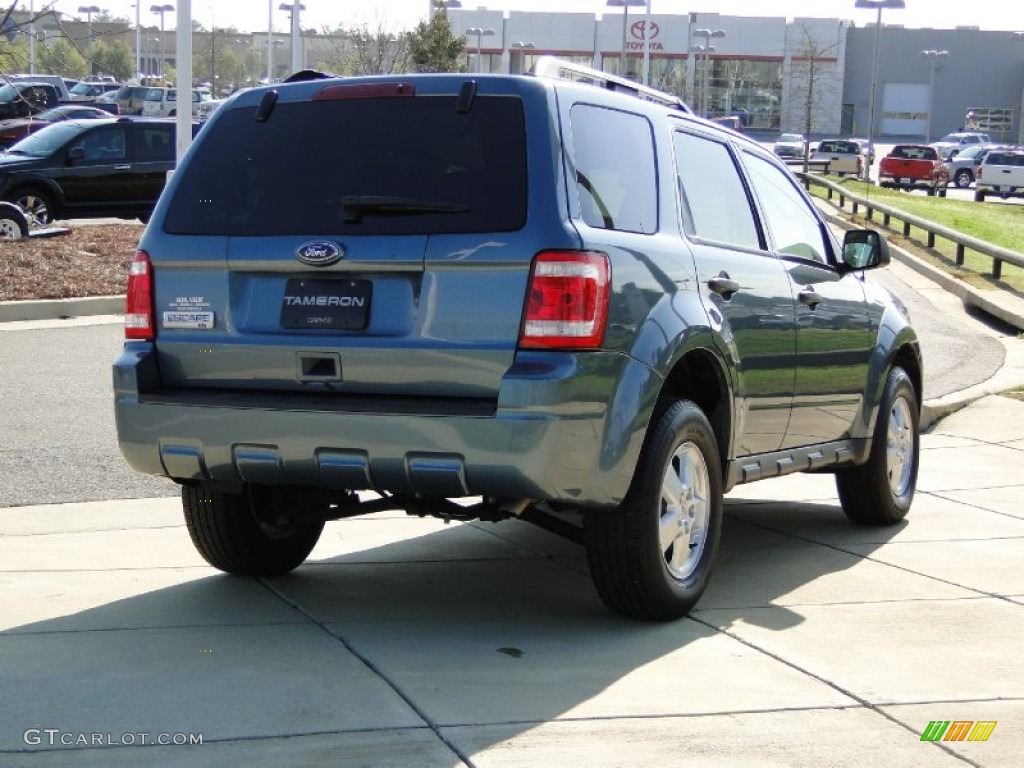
column 579, row 306
column 89, row 168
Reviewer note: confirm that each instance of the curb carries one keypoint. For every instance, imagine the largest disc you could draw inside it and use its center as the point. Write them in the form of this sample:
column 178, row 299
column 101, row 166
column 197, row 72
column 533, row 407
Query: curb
column 59, row 309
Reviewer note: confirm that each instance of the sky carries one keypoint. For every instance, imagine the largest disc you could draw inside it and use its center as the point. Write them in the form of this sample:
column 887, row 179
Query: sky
column 252, row 15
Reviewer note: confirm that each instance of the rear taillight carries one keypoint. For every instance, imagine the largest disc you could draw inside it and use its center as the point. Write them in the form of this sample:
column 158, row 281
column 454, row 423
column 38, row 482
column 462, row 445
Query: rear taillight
column 567, row 300
column 138, row 310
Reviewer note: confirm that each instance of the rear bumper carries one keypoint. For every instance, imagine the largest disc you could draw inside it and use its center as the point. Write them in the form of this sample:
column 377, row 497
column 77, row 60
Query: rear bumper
column 550, row 435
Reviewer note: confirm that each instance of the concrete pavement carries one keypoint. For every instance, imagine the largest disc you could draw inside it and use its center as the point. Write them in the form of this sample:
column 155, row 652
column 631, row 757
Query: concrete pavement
column 406, row 642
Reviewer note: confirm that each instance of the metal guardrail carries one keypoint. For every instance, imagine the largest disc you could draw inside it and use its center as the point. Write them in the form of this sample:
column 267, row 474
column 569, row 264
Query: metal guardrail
column 997, row 253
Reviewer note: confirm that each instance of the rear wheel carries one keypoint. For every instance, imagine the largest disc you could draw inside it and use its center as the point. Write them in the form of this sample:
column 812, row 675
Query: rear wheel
column 651, row 558
column 259, row 532
column 879, row 492
column 979, row 197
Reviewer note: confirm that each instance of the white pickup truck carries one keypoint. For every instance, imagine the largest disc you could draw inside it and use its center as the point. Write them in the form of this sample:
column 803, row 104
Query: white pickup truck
column 843, row 157
column 1001, row 173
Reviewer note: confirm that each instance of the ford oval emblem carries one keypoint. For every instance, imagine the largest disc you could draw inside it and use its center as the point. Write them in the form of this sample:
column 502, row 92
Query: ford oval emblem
column 320, row 253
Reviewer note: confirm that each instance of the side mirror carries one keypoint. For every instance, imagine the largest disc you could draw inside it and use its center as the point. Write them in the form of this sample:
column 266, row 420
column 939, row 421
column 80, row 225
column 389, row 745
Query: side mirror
column 75, row 154
column 865, row 249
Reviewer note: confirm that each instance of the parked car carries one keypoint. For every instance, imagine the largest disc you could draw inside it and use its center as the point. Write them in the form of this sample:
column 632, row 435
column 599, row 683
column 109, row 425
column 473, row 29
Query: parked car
column 89, row 90
column 89, row 168
column 953, row 143
column 162, row 102
column 131, row 98
column 914, row 166
column 790, row 145
column 14, row 130
column 868, row 150
column 964, row 166
column 1001, row 173
column 575, row 305
column 844, row 157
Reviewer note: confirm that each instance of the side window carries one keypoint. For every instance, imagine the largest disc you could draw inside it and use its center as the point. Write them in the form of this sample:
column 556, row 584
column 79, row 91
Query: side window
column 714, row 200
column 102, row 145
column 615, row 169
column 792, row 223
column 154, row 143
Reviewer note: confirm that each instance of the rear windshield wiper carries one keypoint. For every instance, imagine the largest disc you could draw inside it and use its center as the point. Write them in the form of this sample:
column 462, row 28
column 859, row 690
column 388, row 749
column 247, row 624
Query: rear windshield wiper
column 357, row 205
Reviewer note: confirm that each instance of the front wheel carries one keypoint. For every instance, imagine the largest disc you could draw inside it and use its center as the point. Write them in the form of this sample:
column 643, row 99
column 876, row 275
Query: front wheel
column 651, row 558
column 879, row 492
column 963, row 178
column 37, row 206
column 259, row 532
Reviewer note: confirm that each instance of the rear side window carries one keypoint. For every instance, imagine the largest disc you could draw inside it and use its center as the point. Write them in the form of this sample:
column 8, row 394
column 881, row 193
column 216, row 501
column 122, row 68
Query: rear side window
column 414, row 165
column 714, row 201
column 155, row 143
column 615, row 169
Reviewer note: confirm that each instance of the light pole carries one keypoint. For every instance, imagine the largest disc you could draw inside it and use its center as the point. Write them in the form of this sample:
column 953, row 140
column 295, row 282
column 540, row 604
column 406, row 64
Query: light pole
column 480, row 33
column 89, row 10
column 293, row 10
column 162, row 9
column 624, row 5
column 519, row 48
column 933, row 59
column 702, row 87
column 878, row 5
column 707, row 48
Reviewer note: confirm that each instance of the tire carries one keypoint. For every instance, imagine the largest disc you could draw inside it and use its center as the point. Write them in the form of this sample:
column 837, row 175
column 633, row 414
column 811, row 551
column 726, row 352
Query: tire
column 963, row 178
column 36, row 204
column 941, row 192
column 13, row 225
column 979, row 197
column 879, row 492
column 651, row 558
column 930, row 191
column 254, row 533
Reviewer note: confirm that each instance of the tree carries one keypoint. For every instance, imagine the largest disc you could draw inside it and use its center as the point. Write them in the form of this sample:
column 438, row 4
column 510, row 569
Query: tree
column 113, row 58
column 813, row 82
column 377, row 52
column 433, row 47
column 59, row 57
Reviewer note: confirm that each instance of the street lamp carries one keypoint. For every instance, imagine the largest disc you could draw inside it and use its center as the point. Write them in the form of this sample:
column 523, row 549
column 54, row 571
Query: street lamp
column 702, row 84
column 624, row 5
column 878, row 5
column 162, row 9
column 707, row 49
column 933, row 59
column 89, row 10
column 480, row 33
column 293, row 10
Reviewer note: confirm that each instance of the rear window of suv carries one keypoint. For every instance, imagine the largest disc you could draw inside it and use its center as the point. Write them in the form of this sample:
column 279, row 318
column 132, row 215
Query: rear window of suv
column 397, row 166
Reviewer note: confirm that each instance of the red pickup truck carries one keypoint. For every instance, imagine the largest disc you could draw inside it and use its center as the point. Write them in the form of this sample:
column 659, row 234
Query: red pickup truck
column 914, row 166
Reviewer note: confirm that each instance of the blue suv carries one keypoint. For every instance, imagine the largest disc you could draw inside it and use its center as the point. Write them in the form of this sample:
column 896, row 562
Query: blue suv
column 559, row 297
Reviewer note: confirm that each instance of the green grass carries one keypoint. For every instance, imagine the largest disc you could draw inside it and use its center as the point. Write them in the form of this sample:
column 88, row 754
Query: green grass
column 992, row 222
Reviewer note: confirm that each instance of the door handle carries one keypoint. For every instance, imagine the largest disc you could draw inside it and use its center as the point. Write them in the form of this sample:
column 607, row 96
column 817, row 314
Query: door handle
column 723, row 285
column 122, row 167
column 810, row 297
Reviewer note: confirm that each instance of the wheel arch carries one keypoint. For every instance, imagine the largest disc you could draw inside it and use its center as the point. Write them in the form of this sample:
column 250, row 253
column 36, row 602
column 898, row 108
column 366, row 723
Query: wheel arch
column 700, row 375
column 38, row 184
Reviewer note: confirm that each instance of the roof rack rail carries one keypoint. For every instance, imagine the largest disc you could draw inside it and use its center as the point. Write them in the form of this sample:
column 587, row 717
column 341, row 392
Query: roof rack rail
column 559, row 69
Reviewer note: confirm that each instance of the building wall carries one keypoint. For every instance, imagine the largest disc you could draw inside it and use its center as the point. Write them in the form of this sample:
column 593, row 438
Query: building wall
column 984, row 69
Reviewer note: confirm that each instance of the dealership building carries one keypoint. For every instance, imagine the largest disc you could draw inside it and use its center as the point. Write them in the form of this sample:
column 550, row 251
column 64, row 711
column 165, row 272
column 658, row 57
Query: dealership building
column 771, row 71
